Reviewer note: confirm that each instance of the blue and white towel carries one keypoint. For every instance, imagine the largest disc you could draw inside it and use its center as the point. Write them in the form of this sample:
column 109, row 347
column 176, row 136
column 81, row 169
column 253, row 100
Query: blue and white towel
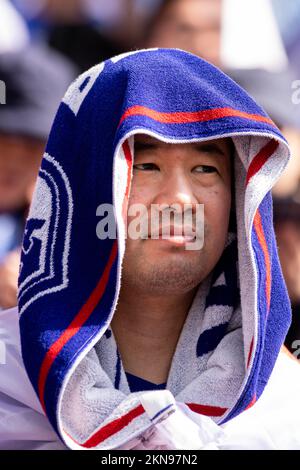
column 70, row 279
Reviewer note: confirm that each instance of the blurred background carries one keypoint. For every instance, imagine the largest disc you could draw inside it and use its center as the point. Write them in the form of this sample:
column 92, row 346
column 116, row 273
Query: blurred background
column 45, row 44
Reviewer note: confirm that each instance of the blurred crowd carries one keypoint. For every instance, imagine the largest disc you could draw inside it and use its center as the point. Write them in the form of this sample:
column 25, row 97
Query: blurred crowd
column 45, row 44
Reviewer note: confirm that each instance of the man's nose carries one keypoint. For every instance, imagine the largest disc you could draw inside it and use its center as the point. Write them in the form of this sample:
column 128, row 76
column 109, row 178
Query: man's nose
column 176, row 189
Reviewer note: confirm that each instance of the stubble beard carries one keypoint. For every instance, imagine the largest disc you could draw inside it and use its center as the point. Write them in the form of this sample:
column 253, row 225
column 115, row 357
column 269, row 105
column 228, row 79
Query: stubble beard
column 173, row 275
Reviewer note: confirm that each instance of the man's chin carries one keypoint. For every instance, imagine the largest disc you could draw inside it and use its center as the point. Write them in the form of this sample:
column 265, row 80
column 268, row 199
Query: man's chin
column 173, row 277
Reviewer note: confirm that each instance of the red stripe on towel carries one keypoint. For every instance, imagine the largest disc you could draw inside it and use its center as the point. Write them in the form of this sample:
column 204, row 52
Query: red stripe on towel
column 113, row 427
column 250, row 352
column 263, row 243
column 117, row 425
column 195, row 116
column 260, row 159
column 206, row 409
column 251, row 403
column 82, row 316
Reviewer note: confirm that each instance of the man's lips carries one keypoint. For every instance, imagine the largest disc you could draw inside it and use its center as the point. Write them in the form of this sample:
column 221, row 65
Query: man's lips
column 177, row 239
column 174, row 234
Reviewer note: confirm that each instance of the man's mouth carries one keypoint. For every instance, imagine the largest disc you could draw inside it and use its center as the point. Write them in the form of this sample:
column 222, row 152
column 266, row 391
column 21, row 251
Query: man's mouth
column 178, row 239
column 174, row 234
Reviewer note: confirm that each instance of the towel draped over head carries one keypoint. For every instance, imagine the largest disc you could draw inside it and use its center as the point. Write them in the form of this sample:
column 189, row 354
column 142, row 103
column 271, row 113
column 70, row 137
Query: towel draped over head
column 70, row 279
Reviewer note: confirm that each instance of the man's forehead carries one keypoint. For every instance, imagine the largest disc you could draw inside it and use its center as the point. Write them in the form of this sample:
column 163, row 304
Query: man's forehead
column 149, row 139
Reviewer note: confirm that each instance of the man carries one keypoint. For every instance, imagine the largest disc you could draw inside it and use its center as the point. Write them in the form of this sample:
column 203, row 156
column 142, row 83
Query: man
column 160, row 276
column 139, row 330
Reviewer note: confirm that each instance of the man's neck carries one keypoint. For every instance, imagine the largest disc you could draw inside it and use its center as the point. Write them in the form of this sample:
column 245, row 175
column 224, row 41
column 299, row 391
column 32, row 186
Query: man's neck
column 147, row 328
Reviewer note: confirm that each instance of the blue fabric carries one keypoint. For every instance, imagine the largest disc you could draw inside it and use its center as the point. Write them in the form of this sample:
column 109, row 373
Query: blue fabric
column 59, row 321
column 137, row 384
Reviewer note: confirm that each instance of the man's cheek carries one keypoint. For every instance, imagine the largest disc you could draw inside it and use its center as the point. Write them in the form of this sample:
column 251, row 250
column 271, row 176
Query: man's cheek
column 199, row 216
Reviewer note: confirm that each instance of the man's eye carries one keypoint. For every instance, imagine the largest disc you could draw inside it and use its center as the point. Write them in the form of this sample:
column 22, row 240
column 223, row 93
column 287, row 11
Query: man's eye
column 205, row 169
column 145, row 166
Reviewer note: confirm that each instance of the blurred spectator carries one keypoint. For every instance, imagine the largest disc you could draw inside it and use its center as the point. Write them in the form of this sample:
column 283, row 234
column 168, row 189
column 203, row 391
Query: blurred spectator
column 36, row 80
column 94, row 30
column 193, row 25
column 86, row 31
column 83, row 44
column 220, row 31
column 115, row 18
column 287, row 226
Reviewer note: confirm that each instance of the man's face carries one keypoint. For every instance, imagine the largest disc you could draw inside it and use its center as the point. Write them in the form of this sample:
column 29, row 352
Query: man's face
column 192, row 25
column 181, row 175
column 19, row 162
